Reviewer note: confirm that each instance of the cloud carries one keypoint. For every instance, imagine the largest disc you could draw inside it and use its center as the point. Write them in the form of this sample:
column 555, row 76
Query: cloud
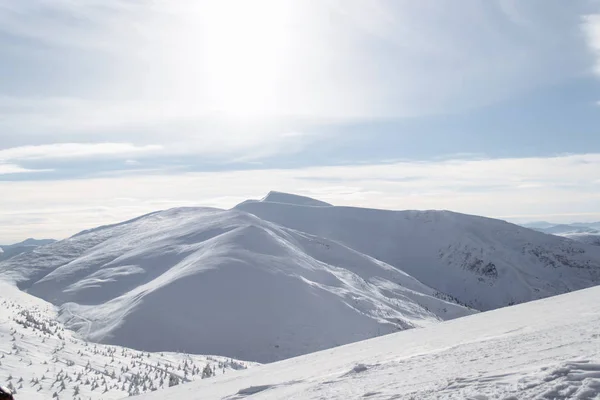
column 6, row 169
column 134, row 65
column 562, row 188
column 177, row 129
column 591, row 30
column 238, row 80
column 74, row 150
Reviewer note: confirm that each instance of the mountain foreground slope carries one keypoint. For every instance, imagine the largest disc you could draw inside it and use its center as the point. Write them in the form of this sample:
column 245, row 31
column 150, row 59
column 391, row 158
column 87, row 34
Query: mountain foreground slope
column 286, row 276
column 546, row 349
column 40, row 358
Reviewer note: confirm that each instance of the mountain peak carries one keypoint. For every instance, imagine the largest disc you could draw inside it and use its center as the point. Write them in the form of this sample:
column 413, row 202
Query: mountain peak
column 288, row 198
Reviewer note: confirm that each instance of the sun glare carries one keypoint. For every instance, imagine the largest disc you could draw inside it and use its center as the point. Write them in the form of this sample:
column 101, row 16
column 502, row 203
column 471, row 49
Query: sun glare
column 242, row 49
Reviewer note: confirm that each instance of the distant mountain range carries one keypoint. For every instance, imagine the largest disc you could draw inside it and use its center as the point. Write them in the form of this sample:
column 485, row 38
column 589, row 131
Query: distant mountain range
column 8, row 251
column 288, row 275
column 588, row 233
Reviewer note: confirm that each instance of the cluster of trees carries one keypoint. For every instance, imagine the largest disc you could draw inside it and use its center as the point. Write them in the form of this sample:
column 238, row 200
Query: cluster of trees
column 52, row 360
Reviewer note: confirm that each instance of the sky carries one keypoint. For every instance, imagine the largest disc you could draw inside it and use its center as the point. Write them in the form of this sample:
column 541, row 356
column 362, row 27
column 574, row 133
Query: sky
column 110, row 109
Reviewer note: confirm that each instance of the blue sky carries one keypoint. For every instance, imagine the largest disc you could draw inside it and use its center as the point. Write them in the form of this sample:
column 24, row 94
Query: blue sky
column 113, row 108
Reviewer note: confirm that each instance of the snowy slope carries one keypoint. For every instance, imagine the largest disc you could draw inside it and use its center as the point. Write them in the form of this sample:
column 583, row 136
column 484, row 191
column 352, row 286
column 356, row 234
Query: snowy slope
column 223, row 282
column 547, row 349
column 38, row 358
column 482, row 262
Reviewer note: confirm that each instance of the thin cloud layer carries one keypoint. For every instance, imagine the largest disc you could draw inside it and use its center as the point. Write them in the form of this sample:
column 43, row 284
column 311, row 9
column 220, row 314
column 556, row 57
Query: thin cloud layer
column 591, row 29
column 549, row 188
column 173, row 68
column 6, row 169
column 74, row 150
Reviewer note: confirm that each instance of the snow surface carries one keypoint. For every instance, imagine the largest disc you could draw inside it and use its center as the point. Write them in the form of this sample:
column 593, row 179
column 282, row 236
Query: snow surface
column 547, row 349
column 223, row 282
column 38, row 358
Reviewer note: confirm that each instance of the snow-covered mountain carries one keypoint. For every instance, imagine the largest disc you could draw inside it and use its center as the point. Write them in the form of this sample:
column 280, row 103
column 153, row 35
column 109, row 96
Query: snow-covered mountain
column 483, row 262
column 40, row 359
column 288, row 275
column 11, row 250
column 567, row 229
column 210, row 281
column 547, row 349
column 538, row 225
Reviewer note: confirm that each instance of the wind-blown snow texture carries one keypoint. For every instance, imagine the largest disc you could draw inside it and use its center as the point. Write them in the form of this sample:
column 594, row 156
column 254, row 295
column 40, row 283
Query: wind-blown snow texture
column 544, row 350
column 39, row 358
column 289, row 275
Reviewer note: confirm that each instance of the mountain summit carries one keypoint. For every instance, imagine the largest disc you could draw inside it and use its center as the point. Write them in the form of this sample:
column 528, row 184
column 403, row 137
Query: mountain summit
column 288, row 198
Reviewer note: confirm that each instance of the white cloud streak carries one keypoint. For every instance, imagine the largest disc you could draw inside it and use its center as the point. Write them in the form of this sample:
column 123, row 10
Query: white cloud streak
column 6, row 168
column 591, row 29
column 563, row 188
column 75, row 150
